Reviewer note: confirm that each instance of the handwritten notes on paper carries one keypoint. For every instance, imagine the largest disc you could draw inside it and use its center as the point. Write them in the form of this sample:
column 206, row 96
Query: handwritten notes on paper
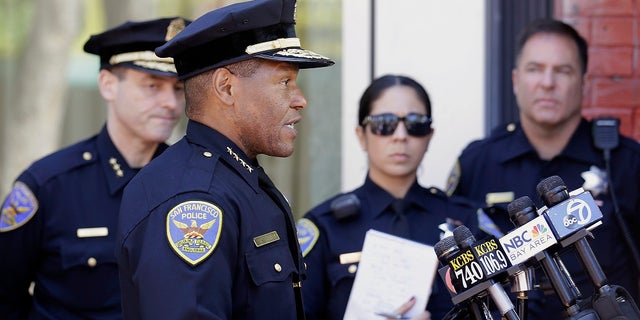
column 391, row 271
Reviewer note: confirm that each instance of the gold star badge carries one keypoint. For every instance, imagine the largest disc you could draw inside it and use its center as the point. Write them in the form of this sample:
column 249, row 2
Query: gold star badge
column 175, row 26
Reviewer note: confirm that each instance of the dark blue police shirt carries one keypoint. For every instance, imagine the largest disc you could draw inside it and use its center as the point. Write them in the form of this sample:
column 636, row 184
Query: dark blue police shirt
column 506, row 162
column 66, row 245
column 238, row 266
column 328, row 284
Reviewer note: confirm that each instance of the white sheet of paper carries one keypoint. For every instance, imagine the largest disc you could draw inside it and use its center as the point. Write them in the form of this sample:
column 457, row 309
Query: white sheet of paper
column 390, row 272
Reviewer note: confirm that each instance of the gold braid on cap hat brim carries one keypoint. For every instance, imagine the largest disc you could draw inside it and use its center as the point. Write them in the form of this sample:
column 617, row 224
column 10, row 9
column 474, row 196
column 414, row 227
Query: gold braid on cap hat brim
column 145, row 59
column 272, row 45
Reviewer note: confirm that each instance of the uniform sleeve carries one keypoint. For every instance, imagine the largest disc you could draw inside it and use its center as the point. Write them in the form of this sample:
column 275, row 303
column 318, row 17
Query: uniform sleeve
column 20, row 234
column 156, row 283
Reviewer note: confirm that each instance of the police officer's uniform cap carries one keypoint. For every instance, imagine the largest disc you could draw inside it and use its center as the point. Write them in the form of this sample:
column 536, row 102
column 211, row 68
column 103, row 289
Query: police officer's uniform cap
column 132, row 44
column 241, row 31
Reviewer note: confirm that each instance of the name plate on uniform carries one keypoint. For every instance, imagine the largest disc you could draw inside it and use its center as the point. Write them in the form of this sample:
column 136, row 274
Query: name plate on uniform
column 92, row 232
column 266, row 238
column 351, row 257
column 499, row 197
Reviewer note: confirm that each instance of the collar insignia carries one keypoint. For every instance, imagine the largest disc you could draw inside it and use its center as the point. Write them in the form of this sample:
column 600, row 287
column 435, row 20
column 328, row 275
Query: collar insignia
column 116, row 167
column 240, row 160
column 595, row 181
column 193, row 230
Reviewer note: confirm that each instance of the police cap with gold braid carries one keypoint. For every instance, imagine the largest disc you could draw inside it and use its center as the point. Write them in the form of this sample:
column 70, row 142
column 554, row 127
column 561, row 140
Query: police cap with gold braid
column 254, row 29
column 132, row 44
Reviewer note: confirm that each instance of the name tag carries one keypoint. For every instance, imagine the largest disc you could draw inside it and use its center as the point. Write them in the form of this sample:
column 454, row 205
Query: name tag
column 351, row 257
column 266, row 238
column 92, row 232
column 499, row 197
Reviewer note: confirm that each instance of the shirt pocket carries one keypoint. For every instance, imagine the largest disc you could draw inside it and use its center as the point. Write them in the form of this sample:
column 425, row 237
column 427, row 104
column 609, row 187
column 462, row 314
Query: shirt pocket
column 270, row 264
column 88, row 253
column 337, row 272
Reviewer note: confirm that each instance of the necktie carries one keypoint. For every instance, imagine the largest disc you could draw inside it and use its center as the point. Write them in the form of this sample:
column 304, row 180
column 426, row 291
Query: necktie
column 400, row 225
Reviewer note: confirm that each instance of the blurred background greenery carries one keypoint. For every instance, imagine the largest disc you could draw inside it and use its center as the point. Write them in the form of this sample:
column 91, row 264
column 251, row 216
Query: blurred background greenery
column 49, row 97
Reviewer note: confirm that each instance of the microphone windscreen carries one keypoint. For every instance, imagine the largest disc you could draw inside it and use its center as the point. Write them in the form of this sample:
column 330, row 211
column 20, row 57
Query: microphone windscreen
column 521, row 210
column 444, row 247
column 463, row 236
column 552, row 190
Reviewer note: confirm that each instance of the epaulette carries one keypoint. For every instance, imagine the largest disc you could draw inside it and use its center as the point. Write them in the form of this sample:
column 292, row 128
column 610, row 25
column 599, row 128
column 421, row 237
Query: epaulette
column 77, row 155
column 437, row 192
column 464, row 201
column 500, row 132
column 497, row 134
column 196, row 175
column 504, row 130
column 345, row 206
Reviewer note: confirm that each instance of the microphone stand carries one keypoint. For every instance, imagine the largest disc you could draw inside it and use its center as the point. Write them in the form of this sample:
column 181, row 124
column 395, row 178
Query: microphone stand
column 552, row 191
column 522, row 281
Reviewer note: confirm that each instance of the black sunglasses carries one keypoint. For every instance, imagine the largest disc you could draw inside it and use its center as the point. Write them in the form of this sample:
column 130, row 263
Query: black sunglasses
column 385, row 124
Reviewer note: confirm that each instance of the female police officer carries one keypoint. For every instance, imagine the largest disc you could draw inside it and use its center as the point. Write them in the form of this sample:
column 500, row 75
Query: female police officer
column 394, row 129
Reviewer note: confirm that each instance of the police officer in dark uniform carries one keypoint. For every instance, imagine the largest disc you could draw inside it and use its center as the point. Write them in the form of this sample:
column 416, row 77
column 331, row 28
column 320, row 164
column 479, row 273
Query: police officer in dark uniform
column 395, row 130
column 57, row 227
column 203, row 233
column 552, row 138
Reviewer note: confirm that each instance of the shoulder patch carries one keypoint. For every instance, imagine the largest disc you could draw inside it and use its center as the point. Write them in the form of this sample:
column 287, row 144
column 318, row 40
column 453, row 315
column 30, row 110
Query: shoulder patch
column 308, row 235
column 18, row 208
column 193, row 230
column 487, row 225
column 454, row 178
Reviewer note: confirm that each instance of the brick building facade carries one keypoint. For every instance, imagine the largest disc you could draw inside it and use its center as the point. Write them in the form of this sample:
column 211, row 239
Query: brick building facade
column 612, row 29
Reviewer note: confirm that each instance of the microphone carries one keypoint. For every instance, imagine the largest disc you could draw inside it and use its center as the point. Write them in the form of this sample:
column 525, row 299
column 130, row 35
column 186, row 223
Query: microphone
column 477, row 275
column 523, row 277
column 579, row 208
column 531, row 226
column 487, row 253
column 531, row 237
column 445, row 250
column 570, row 214
column 567, row 212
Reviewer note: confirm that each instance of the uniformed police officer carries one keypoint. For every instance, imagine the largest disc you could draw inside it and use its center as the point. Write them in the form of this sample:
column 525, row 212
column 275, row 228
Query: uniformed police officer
column 552, row 138
column 394, row 128
column 57, row 227
column 203, row 233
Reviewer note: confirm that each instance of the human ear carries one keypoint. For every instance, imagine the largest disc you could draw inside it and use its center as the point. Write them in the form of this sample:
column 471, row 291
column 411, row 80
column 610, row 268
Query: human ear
column 514, row 80
column 107, row 84
column 222, row 80
column 361, row 137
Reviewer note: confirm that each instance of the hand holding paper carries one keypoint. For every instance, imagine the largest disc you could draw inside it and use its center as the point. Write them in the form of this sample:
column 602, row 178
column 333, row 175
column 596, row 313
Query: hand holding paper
column 391, row 270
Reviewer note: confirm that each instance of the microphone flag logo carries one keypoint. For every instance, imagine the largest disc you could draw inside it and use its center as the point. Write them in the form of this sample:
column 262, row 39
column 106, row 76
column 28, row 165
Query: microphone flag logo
column 528, row 240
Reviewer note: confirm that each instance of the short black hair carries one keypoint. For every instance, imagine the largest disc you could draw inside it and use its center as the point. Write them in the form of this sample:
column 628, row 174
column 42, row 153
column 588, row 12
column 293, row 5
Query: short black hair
column 379, row 85
column 557, row 27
